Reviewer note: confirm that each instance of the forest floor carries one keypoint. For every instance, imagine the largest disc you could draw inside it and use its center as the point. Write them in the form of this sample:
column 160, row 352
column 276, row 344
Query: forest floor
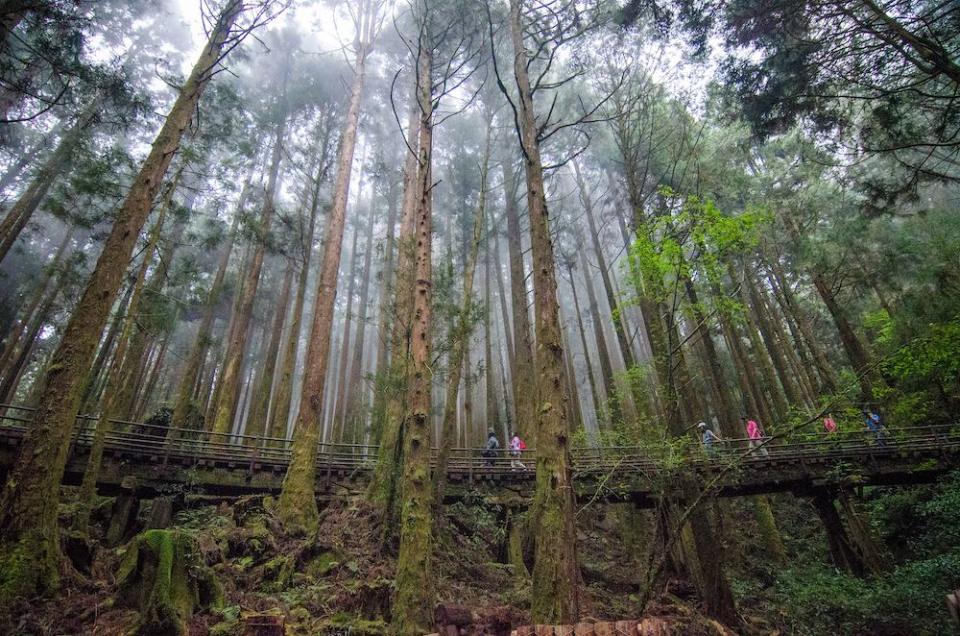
column 341, row 580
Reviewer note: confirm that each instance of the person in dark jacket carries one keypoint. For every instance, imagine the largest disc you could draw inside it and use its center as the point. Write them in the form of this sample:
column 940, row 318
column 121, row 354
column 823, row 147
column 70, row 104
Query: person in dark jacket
column 490, row 450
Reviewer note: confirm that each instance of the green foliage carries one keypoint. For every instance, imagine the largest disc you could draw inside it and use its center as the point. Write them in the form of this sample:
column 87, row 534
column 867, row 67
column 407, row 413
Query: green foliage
column 922, row 528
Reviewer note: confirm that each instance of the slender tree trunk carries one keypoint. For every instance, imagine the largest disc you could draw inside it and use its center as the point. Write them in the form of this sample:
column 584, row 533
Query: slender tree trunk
column 413, row 604
column 260, row 406
column 522, row 369
column 29, row 551
column 120, row 365
column 201, row 343
column 594, row 393
column 382, row 491
column 461, row 332
column 281, row 413
column 555, row 597
column 611, row 403
column 384, row 320
column 617, row 313
column 236, row 348
column 30, row 314
column 56, row 164
column 854, row 348
column 355, row 397
column 824, row 368
column 339, row 413
column 297, row 508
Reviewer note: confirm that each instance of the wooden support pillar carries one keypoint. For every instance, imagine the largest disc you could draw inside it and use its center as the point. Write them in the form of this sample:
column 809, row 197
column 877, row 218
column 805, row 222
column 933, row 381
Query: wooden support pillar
column 841, row 549
column 862, row 538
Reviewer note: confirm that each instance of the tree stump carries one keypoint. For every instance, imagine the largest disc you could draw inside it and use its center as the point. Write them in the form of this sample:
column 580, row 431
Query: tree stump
column 163, row 575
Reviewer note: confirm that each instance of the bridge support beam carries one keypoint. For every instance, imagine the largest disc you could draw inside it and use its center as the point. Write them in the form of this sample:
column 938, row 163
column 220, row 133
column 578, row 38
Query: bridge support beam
column 854, row 550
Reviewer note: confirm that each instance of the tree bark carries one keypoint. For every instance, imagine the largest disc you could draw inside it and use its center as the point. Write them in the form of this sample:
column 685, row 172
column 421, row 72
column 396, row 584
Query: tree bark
column 297, row 508
column 555, row 596
column 413, row 605
column 29, row 551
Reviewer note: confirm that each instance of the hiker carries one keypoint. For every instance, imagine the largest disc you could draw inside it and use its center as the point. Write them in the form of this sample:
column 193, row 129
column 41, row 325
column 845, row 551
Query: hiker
column 829, row 425
column 490, row 450
column 709, row 439
column 755, row 435
column 875, row 426
column 517, row 446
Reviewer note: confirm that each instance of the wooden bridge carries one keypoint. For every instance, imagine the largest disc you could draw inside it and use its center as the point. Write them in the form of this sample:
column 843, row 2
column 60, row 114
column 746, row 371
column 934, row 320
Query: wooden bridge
column 163, row 460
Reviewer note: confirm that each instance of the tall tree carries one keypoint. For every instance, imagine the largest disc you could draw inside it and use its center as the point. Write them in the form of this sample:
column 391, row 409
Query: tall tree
column 298, row 506
column 29, row 551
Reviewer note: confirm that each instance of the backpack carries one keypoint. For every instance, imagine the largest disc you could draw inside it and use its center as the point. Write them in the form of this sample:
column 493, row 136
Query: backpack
column 523, row 445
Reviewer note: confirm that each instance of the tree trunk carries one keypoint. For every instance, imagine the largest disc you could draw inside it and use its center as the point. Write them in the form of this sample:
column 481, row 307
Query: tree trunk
column 128, row 353
column 260, row 407
column 854, row 348
column 57, row 163
column 281, row 413
column 297, row 508
column 522, row 369
column 617, row 314
column 29, row 551
column 611, row 403
column 462, row 331
column 237, row 346
column 413, row 605
column 383, row 485
column 201, row 343
column 355, row 397
column 594, row 393
column 30, row 314
column 555, row 597
column 337, row 427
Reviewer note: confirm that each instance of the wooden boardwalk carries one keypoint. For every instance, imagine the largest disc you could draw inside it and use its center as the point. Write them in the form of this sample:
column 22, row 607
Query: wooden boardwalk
column 158, row 457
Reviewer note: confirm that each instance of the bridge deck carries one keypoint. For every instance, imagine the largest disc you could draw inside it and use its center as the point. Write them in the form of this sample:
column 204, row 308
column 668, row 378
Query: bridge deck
column 160, row 459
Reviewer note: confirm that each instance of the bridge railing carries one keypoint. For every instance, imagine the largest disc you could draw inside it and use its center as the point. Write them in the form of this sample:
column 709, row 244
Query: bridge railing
column 159, row 442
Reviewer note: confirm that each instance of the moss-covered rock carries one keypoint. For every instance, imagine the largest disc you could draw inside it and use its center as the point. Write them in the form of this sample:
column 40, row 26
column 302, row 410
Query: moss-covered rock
column 163, row 576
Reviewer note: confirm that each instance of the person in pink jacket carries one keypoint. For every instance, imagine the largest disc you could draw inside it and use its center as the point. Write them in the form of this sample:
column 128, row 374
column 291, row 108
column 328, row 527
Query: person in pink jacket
column 755, row 435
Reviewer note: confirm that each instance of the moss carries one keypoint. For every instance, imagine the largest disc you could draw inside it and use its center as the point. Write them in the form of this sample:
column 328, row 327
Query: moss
column 163, row 576
column 28, row 567
column 322, row 564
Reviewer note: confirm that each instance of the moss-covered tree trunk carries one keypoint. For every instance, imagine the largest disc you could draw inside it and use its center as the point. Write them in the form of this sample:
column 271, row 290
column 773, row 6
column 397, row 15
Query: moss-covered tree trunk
column 461, row 334
column 297, row 508
column 28, row 505
column 88, row 487
column 413, row 605
column 556, row 575
column 382, row 491
column 237, row 346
